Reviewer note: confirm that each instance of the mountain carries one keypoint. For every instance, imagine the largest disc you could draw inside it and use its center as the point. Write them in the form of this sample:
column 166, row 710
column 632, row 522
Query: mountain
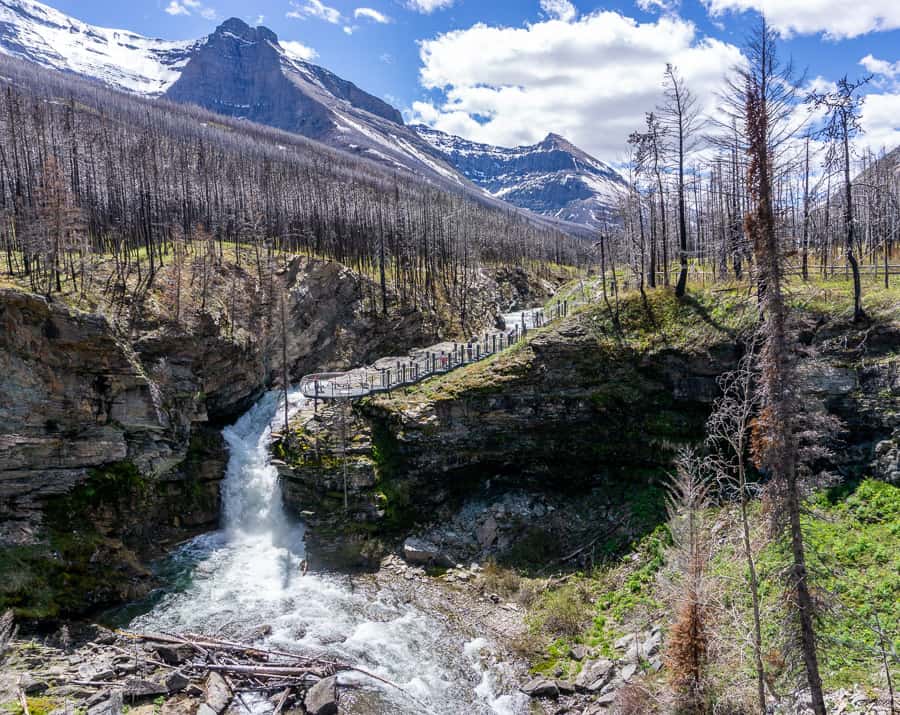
column 239, row 71
column 553, row 178
column 124, row 60
column 244, row 72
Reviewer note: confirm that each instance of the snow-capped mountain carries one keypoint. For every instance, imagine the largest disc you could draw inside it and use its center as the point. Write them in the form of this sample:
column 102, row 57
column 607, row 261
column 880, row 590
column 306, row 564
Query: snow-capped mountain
column 245, row 73
column 553, row 178
column 238, row 71
column 124, row 60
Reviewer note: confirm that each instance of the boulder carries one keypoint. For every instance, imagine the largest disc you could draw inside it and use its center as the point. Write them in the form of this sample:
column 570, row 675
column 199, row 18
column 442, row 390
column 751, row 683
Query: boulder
column 174, row 654
column 218, row 694
column 136, row 688
column 96, row 670
column 541, row 688
column 595, row 674
column 31, row 685
column 113, row 705
column 321, row 699
column 422, row 552
column 486, row 532
column 651, row 644
column 177, row 681
column 578, row 652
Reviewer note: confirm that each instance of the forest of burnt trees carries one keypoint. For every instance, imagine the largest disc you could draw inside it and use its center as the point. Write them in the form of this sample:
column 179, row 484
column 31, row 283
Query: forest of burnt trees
column 837, row 212
column 86, row 172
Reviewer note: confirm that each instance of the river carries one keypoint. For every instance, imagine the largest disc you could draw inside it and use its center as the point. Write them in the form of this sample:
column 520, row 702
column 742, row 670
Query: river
column 248, row 575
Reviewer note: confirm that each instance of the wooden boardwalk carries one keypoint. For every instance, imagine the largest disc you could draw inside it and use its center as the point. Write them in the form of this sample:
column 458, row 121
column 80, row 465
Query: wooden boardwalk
column 391, row 373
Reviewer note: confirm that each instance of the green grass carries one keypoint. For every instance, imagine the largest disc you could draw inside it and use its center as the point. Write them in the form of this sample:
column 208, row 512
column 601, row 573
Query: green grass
column 854, row 547
column 36, row 706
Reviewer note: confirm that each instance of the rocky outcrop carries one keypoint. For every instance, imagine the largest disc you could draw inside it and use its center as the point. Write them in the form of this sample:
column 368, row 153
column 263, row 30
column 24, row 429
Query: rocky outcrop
column 578, row 411
column 561, row 413
column 72, row 397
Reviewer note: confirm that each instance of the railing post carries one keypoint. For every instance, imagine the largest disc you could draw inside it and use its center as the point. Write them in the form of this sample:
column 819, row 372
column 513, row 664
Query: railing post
column 315, row 396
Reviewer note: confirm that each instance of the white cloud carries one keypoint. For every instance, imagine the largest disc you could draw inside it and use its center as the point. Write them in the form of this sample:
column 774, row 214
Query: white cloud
column 260, row 19
column 658, row 5
column 837, row 19
column 176, row 8
column 189, row 7
column 387, row 58
column 428, row 6
column 590, row 80
column 559, row 10
column 881, row 121
column 298, row 50
column 883, row 68
column 315, row 9
column 371, row 14
column 348, row 29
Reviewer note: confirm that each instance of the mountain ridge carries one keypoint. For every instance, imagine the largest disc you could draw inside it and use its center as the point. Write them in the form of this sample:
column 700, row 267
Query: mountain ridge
column 245, row 73
column 552, row 177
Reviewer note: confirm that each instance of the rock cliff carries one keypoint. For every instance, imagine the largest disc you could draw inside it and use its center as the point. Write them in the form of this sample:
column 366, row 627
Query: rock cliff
column 109, row 439
column 583, row 407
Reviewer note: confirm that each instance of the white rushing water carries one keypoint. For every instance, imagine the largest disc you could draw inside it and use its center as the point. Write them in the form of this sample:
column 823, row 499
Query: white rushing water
column 249, row 575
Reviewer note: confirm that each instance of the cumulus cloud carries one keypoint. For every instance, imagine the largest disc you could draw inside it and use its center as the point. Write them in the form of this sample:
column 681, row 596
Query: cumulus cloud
column 881, row 121
column 590, row 79
column 559, row 9
column 428, row 6
column 881, row 108
column 882, row 68
column 298, row 50
column 835, row 18
column 176, row 8
column 315, row 9
column 189, row 7
column 369, row 13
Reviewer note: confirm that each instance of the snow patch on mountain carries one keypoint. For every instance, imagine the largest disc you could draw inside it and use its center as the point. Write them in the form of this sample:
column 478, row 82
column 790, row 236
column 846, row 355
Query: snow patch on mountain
column 33, row 31
column 553, row 177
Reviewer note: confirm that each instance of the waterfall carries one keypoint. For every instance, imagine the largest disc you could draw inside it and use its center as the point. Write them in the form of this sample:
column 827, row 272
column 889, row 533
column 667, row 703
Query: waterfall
column 249, row 574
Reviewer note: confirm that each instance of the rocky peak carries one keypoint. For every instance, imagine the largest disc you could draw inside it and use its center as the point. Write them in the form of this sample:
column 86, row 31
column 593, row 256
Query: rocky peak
column 236, row 29
column 553, row 177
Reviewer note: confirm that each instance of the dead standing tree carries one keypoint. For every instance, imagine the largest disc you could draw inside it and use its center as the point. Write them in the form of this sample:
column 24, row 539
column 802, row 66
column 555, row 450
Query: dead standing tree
column 728, row 436
column 766, row 92
column 843, row 109
column 680, row 116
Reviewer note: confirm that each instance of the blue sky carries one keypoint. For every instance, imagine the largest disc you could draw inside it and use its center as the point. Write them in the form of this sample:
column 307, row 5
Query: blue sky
column 509, row 71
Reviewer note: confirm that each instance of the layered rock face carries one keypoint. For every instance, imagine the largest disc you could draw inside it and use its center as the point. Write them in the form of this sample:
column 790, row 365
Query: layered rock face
column 109, row 434
column 559, row 414
column 569, row 412
column 72, row 397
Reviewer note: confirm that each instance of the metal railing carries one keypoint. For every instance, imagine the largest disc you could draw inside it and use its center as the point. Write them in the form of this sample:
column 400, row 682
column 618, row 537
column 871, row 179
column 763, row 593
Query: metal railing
column 421, row 364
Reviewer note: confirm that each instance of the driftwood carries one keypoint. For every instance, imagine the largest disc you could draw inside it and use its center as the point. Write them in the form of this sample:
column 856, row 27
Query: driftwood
column 247, row 668
column 23, row 702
